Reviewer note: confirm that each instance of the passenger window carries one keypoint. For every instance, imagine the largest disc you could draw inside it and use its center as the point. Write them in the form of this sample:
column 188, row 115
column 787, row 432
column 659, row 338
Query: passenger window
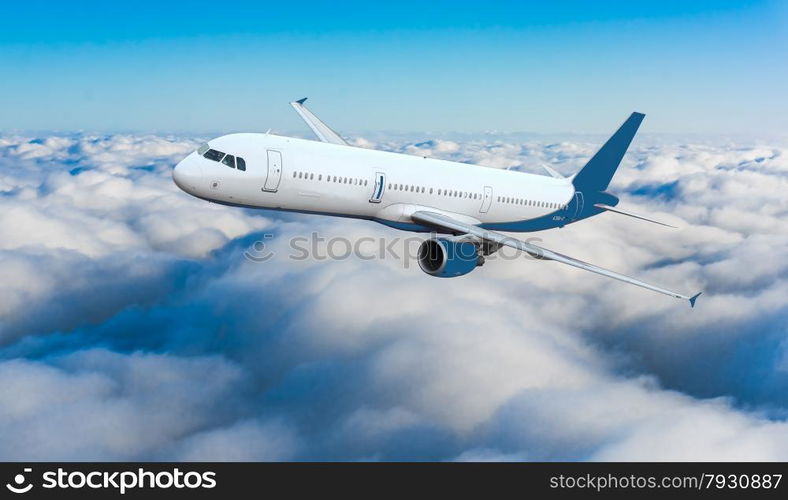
column 311, row 177
column 214, row 155
column 240, row 163
column 229, row 160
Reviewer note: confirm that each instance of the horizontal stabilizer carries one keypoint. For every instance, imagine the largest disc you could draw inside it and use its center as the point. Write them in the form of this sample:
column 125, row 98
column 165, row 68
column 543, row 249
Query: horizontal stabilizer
column 630, row 214
column 552, row 172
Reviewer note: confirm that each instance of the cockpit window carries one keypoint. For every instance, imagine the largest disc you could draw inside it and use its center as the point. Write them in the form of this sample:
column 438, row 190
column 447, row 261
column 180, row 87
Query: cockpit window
column 214, row 155
column 203, row 148
column 229, row 160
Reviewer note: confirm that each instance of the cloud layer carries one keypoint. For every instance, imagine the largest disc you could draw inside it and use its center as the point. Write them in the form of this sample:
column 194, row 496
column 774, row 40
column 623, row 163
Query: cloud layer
column 132, row 326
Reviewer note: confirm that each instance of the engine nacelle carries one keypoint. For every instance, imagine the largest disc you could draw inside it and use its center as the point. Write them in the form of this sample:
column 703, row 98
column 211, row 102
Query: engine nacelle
column 446, row 258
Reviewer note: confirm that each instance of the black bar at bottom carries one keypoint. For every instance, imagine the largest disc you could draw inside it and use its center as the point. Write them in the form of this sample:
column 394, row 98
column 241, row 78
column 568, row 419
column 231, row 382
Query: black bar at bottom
column 214, row 480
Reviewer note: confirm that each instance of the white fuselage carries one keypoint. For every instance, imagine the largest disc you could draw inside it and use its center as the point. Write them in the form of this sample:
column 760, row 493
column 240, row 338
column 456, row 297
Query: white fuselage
column 285, row 173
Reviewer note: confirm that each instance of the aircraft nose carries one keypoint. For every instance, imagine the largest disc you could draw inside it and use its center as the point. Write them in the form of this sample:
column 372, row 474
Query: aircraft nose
column 187, row 174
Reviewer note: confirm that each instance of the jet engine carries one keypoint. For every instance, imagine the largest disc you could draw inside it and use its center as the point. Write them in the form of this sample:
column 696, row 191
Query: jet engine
column 447, row 258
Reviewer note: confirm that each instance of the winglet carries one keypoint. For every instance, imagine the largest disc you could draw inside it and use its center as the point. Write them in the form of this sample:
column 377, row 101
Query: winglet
column 321, row 130
column 694, row 298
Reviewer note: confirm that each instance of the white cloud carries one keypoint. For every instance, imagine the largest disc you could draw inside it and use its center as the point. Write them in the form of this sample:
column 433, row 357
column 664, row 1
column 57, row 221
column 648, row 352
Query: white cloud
column 134, row 328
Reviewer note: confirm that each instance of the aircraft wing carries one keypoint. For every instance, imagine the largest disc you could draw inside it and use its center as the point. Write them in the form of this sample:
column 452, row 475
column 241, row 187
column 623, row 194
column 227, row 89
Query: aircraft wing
column 445, row 223
column 321, row 130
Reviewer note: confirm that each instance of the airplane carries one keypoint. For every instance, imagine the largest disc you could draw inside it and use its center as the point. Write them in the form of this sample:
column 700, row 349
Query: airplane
column 464, row 206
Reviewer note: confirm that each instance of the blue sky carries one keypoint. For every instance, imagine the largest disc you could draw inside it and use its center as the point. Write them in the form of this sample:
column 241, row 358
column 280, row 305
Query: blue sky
column 699, row 67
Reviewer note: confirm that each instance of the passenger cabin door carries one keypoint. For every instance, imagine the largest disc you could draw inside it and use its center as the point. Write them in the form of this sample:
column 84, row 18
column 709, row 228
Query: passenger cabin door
column 487, row 200
column 380, row 186
column 274, row 171
column 578, row 204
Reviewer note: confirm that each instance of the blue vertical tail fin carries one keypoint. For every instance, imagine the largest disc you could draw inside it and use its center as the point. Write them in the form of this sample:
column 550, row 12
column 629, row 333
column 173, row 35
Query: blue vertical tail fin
column 597, row 173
